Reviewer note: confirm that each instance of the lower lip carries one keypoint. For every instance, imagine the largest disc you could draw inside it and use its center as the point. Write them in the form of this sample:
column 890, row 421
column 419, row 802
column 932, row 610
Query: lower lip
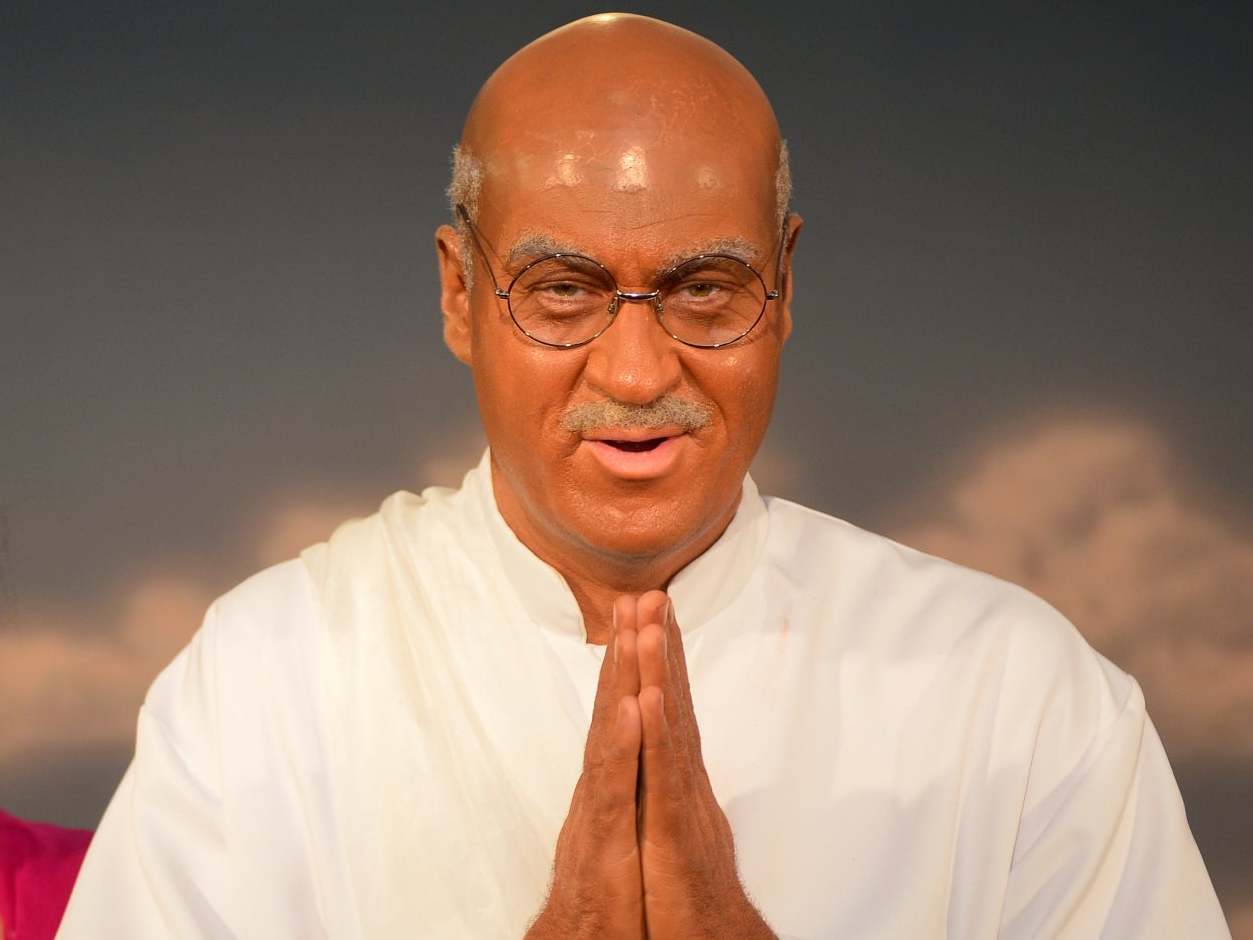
column 638, row 464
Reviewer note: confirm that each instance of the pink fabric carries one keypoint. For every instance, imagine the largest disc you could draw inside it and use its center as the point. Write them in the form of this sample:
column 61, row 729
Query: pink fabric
column 38, row 865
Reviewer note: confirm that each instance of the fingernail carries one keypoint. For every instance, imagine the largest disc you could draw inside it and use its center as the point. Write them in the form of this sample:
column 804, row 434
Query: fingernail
column 614, row 611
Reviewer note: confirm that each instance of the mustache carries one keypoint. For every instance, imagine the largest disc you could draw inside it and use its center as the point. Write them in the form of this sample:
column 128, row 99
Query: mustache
column 667, row 411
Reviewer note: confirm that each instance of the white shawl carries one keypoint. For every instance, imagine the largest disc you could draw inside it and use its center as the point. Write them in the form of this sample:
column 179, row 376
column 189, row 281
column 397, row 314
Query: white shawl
column 413, row 629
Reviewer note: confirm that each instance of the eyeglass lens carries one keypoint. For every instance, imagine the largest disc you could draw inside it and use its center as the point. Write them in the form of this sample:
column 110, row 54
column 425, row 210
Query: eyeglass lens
column 568, row 300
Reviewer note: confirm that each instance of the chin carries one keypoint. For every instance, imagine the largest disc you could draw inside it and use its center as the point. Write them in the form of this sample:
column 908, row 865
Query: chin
column 643, row 528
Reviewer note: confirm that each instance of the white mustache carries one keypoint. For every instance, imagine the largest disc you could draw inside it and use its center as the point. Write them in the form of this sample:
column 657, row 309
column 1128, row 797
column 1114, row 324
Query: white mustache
column 669, row 411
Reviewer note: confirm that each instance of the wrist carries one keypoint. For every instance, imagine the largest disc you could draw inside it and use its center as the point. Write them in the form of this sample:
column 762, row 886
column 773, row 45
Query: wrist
column 544, row 927
column 555, row 922
column 747, row 923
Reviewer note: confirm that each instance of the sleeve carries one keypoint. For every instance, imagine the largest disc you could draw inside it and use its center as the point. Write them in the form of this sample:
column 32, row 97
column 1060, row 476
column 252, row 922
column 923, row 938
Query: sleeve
column 1107, row 852
column 157, row 865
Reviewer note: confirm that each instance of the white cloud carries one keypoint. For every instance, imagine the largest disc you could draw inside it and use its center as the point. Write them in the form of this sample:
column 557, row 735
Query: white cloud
column 65, row 683
column 73, row 673
column 1096, row 516
column 457, row 454
column 298, row 520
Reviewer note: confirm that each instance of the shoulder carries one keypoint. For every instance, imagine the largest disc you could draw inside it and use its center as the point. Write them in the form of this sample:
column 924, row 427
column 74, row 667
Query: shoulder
column 271, row 594
column 278, row 619
column 267, row 611
column 260, row 625
column 894, row 604
column 280, row 604
column 855, row 565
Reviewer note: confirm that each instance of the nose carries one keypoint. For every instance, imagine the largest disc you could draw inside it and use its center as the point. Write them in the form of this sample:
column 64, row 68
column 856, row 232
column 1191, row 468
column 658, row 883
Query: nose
column 635, row 360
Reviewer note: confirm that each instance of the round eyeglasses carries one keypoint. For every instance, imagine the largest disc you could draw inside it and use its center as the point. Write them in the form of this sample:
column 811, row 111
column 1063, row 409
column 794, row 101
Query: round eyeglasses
column 567, row 300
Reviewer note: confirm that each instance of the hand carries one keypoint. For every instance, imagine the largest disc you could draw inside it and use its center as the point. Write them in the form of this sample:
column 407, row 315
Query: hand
column 691, row 886
column 597, row 889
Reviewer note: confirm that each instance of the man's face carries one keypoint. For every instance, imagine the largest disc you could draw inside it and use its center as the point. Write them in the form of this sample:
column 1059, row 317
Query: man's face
column 635, row 201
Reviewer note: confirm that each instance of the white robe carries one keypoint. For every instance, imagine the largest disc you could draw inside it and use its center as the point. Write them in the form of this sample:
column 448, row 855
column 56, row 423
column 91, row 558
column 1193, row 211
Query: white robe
column 381, row 738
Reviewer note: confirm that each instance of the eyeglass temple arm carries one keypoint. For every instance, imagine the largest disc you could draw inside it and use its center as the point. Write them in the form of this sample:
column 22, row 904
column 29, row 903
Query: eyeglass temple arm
column 778, row 268
column 474, row 235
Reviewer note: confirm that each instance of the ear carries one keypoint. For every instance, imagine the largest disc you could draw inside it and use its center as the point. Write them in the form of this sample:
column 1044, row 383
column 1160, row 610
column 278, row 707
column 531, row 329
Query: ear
column 454, row 296
column 785, row 273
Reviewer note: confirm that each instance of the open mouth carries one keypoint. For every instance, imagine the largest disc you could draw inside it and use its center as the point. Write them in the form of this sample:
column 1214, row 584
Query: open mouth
column 645, row 458
column 636, row 447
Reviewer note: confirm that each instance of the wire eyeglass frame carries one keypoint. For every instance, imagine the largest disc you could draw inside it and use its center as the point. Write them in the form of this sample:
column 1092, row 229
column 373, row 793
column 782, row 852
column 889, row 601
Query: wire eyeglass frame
column 620, row 296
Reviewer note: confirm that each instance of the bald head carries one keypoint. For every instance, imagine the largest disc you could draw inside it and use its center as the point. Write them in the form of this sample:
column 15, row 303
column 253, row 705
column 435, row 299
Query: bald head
column 649, row 149
column 622, row 114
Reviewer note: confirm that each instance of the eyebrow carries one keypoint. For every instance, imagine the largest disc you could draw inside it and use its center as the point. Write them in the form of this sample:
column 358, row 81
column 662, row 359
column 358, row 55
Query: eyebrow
column 534, row 245
column 737, row 247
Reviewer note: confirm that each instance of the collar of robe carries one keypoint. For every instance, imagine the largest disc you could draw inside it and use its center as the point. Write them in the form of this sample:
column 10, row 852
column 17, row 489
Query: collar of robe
column 699, row 592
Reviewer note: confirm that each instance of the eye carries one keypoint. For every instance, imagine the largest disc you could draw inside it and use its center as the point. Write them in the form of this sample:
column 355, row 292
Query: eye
column 705, row 287
column 560, row 281
column 699, row 290
column 562, row 290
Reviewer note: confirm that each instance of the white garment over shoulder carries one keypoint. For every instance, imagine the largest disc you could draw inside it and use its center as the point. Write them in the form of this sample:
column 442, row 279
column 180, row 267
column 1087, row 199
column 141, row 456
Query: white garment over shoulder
column 380, row 739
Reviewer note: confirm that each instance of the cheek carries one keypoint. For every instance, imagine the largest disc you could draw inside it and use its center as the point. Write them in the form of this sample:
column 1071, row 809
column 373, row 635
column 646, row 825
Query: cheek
column 742, row 387
column 522, row 388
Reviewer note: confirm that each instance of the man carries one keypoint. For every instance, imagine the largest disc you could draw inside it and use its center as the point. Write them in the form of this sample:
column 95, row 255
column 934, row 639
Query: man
column 605, row 689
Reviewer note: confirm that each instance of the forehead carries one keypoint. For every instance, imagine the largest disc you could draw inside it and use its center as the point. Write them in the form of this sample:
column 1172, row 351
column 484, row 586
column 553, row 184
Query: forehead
column 643, row 192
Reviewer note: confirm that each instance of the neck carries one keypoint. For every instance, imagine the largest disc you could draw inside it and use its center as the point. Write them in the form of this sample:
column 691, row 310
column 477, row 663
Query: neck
column 596, row 579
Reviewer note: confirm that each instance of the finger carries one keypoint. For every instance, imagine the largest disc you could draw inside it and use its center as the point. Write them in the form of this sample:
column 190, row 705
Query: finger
column 624, row 612
column 655, row 667
column 606, row 682
column 622, row 746
column 620, row 675
column 680, row 713
column 605, row 704
column 662, row 784
column 651, row 650
column 674, row 646
column 657, row 607
column 601, row 714
column 678, row 670
column 651, row 608
column 679, row 710
column 627, row 675
column 619, row 773
column 627, row 672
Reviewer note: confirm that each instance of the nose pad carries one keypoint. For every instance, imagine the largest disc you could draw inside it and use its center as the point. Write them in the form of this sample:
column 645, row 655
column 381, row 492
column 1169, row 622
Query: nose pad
column 654, row 301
